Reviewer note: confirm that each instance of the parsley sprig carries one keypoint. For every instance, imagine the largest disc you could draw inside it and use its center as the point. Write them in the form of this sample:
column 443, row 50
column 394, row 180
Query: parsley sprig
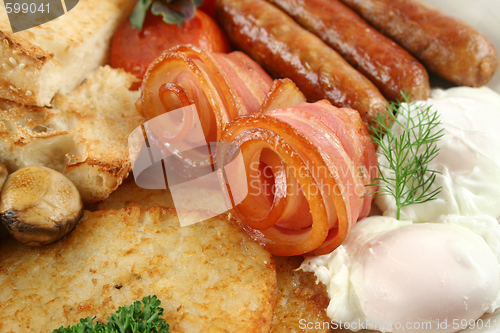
column 140, row 317
column 406, row 176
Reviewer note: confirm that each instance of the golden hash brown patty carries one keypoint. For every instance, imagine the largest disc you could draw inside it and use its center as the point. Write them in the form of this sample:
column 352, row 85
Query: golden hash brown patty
column 299, row 299
column 210, row 276
column 298, row 295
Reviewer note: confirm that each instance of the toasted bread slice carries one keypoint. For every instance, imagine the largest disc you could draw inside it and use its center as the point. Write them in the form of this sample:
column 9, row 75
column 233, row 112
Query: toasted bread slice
column 57, row 56
column 129, row 194
column 84, row 135
column 210, row 276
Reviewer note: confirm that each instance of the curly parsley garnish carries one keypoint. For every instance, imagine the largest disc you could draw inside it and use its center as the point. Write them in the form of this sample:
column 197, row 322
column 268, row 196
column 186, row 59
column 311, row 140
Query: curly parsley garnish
column 406, row 176
column 140, row 317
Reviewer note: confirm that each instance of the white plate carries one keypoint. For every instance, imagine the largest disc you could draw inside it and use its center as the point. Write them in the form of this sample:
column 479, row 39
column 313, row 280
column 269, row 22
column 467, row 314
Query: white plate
column 483, row 15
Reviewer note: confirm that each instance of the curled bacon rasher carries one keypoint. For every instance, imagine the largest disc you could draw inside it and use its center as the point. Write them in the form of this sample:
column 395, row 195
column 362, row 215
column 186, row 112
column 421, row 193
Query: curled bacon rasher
column 222, row 86
column 306, row 164
column 306, row 168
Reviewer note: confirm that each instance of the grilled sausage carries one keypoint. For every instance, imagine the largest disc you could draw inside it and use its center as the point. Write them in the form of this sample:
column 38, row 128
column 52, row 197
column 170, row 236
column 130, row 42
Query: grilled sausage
column 447, row 46
column 390, row 67
column 285, row 49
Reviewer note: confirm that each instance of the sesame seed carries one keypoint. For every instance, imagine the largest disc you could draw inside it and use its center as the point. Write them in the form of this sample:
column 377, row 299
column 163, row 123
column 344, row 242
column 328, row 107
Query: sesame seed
column 13, row 88
column 22, row 65
column 29, row 93
column 6, row 66
column 13, row 61
column 17, row 52
column 6, row 42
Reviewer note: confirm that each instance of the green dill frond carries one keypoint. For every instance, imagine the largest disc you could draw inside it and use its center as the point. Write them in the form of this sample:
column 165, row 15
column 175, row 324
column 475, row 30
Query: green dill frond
column 407, row 176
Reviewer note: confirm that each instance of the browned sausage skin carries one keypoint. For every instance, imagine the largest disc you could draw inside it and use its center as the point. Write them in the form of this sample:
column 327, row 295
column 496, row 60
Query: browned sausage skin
column 445, row 45
column 390, row 67
column 285, row 49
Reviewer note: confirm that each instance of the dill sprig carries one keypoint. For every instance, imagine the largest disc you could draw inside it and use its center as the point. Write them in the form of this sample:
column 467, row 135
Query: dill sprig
column 408, row 152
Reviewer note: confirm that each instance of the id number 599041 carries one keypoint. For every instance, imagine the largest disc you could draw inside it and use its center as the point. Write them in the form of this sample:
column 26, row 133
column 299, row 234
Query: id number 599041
column 26, row 7
column 479, row 324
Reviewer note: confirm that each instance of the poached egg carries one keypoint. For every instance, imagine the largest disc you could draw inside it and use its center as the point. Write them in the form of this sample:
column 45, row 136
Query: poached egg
column 438, row 269
column 468, row 159
column 397, row 276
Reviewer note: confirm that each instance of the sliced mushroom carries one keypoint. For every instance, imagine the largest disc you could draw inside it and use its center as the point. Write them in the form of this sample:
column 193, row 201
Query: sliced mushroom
column 39, row 206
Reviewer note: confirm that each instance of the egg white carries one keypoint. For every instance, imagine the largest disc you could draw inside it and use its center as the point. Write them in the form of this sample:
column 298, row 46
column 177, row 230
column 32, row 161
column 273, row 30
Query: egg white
column 439, row 265
column 397, row 276
column 468, row 160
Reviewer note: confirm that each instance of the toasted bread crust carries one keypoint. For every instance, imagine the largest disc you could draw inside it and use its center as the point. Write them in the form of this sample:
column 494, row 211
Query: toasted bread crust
column 33, row 59
column 37, row 63
column 84, row 136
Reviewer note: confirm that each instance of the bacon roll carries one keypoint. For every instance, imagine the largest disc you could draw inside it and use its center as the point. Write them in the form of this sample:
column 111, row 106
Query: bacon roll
column 222, row 86
column 306, row 166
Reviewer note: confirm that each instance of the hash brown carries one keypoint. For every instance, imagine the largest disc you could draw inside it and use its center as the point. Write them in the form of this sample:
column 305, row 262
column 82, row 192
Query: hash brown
column 299, row 299
column 210, row 276
column 298, row 296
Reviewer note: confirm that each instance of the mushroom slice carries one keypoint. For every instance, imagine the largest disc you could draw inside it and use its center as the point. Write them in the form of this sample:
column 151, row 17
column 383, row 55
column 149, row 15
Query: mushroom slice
column 39, row 206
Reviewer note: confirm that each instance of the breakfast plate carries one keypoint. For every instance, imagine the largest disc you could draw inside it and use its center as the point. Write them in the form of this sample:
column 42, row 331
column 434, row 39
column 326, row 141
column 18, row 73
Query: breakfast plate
column 484, row 16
